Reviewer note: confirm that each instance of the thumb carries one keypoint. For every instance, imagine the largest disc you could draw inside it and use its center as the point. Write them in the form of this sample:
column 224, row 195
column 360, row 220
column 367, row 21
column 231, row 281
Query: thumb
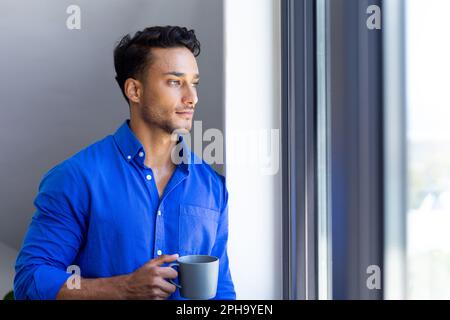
column 164, row 259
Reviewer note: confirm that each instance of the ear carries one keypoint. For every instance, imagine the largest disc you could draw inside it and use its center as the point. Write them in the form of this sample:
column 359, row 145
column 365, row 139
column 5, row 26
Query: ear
column 133, row 90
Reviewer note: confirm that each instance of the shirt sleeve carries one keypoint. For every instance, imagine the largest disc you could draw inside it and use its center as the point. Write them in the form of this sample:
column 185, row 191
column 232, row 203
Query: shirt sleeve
column 54, row 236
column 225, row 287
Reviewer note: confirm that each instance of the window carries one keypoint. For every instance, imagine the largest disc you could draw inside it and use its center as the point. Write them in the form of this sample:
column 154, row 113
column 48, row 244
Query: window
column 428, row 149
column 417, row 150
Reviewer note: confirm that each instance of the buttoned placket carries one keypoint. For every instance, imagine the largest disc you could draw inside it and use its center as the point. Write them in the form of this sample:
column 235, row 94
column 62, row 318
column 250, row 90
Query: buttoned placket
column 158, row 248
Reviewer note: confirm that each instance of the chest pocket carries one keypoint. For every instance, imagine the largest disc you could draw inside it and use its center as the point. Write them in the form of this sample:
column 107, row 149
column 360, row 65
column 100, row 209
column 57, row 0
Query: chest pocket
column 197, row 229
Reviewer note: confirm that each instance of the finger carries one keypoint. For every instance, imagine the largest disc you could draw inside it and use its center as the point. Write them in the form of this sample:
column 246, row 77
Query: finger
column 163, row 259
column 160, row 294
column 167, row 272
column 166, row 286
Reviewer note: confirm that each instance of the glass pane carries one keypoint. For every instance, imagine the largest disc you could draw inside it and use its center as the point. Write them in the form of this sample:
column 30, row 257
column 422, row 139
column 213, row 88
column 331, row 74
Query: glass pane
column 323, row 165
column 428, row 145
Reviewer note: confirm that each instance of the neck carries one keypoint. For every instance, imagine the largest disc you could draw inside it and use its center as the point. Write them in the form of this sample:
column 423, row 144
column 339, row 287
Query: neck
column 156, row 142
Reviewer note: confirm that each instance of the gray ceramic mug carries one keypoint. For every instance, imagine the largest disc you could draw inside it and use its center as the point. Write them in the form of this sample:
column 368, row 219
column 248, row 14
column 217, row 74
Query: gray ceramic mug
column 198, row 276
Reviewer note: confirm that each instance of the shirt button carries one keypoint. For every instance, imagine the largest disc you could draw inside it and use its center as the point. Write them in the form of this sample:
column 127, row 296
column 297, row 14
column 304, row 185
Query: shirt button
column 159, row 212
column 141, row 154
column 129, row 157
column 149, row 177
column 159, row 252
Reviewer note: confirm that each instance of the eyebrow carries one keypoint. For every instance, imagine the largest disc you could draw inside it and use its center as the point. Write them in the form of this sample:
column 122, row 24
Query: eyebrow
column 180, row 74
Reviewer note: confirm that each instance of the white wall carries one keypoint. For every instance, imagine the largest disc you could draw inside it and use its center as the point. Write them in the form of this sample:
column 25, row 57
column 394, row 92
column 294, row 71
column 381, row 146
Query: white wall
column 252, row 106
column 7, row 260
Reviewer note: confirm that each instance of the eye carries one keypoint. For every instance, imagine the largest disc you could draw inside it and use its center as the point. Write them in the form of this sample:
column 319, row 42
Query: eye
column 174, row 82
column 195, row 84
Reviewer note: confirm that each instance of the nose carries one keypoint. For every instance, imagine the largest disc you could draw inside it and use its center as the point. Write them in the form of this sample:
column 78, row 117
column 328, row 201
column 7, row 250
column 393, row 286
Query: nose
column 190, row 97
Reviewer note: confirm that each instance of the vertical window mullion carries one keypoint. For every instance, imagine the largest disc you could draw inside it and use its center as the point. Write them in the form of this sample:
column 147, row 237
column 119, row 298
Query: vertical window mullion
column 299, row 150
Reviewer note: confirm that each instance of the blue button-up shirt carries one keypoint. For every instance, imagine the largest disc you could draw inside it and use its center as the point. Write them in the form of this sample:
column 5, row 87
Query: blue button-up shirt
column 100, row 210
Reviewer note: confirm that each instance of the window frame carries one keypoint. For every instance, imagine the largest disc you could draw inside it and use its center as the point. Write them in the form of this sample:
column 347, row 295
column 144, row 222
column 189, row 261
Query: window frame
column 299, row 156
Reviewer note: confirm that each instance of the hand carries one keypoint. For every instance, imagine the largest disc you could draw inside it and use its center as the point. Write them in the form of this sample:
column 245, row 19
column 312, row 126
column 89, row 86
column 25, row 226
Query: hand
column 148, row 282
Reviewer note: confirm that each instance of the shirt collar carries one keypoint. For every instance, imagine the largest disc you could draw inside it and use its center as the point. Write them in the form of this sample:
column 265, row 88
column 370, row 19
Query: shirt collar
column 127, row 141
column 129, row 145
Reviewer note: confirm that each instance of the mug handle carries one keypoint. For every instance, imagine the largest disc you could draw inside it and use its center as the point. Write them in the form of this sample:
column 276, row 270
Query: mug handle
column 170, row 280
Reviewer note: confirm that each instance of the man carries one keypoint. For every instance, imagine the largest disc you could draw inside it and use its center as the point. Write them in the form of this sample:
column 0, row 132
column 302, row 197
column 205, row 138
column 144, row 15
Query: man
column 122, row 209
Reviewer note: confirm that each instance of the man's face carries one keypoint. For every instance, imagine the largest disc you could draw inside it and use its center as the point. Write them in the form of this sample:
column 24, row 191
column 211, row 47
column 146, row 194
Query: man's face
column 170, row 89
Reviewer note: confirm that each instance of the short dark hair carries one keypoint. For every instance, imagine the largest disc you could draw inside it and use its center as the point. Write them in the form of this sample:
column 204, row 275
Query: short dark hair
column 132, row 54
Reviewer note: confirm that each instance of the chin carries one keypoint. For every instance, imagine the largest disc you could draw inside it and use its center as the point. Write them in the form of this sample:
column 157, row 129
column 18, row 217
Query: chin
column 182, row 127
column 186, row 124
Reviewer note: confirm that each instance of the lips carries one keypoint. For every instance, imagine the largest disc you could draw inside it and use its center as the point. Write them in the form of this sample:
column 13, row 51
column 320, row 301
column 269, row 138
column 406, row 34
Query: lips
column 185, row 112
